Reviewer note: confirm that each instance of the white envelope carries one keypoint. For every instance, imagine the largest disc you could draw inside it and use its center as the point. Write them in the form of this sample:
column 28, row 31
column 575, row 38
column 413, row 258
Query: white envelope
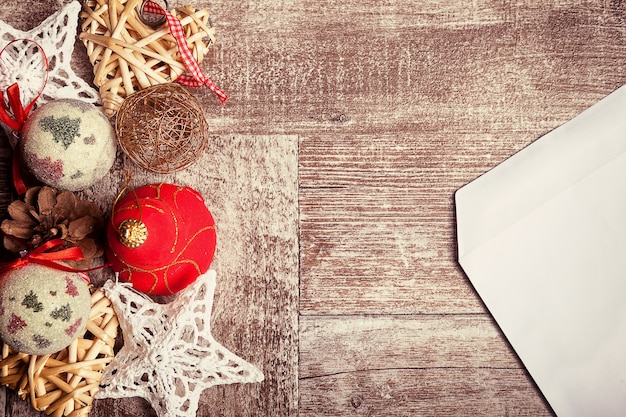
column 542, row 238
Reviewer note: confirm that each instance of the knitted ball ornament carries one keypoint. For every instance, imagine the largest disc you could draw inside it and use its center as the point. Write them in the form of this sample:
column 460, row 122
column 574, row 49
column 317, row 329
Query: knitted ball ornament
column 161, row 237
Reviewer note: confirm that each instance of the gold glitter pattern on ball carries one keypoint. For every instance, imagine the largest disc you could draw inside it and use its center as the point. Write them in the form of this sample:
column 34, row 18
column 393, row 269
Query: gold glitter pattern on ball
column 133, row 233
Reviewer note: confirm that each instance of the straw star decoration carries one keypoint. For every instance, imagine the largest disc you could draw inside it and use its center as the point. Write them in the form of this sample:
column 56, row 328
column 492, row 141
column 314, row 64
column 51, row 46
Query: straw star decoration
column 169, row 355
column 25, row 65
column 128, row 55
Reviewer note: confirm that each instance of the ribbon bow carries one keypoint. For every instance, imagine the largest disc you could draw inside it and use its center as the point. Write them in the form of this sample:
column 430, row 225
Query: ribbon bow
column 46, row 255
column 196, row 77
column 13, row 113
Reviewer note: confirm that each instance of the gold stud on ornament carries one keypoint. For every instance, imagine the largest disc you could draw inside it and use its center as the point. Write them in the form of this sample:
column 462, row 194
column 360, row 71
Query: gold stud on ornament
column 133, row 233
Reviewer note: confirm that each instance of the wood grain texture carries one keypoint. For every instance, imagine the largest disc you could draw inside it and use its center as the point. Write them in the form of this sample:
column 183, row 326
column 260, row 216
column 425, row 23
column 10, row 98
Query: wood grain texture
column 418, row 67
column 362, row 343
column 411, row 365
column 422, row 392
column 396, row 105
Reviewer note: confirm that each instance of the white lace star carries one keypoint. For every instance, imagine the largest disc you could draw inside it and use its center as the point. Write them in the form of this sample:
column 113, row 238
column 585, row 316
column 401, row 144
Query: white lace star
column 22, row 63
column 169, row 355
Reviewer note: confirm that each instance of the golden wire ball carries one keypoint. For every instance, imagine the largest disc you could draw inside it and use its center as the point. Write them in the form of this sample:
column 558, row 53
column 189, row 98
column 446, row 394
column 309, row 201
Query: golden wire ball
column 162, row 128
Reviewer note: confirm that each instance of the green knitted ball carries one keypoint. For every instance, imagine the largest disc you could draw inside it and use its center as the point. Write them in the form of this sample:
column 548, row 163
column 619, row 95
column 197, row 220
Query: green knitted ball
column 68, row 144
column 42, row 310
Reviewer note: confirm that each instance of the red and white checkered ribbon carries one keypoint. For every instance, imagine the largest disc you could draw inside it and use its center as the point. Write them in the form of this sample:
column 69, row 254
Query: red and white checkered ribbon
column 196, row 77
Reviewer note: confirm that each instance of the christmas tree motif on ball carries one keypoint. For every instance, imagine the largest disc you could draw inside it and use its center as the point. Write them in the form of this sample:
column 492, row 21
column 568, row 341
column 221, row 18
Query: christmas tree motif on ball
column 70, row 331
column 42, row 309
column 16, row 323
column 63, row 129
column 70, row 287
column 63, row 313
column 32, row 301
column 41, row 342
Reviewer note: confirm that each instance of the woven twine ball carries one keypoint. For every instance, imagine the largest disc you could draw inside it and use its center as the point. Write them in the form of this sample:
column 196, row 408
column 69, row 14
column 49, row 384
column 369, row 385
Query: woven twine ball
column 162, row 128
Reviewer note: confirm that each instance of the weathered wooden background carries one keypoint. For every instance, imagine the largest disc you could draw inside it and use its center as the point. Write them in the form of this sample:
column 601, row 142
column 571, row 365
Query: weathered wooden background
column 396, row 104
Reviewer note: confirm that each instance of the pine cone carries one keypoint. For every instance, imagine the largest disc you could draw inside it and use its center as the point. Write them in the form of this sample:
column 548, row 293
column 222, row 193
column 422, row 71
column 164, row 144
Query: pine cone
column 47, row 214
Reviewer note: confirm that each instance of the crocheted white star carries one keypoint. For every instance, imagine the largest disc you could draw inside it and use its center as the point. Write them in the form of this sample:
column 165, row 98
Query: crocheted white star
column 21, row 62
column 169, row 355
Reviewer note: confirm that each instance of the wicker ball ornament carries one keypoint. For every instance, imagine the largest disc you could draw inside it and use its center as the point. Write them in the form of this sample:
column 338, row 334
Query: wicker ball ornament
column 162, row 128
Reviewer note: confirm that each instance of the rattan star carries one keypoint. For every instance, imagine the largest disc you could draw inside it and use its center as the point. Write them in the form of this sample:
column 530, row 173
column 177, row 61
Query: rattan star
column 169, row 355
column 24, row 64
column 127, row 55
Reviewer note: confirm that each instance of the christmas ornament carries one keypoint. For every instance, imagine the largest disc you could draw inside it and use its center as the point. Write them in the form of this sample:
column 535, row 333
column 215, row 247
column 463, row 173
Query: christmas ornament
column 46, row 214
column 160, row 238
column 129, row 55
column 56, row 36
column 68, row 144
column 64, row 383
column 42, row 309
column 162, row 128
column 169, row 355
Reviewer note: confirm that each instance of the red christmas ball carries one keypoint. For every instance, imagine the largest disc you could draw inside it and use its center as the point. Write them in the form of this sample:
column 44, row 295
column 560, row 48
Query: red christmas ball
column 161, row 238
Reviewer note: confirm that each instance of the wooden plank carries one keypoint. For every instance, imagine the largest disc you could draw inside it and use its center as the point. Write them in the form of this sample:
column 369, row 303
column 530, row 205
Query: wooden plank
column 422, row 392
column 377, row 216
column 6, row 184
column 395, row 266
column 3, row 400
column 377, row 222
column 12, row 12
column 485, row 66
column 361, row 343
column 411, row 365
column 17, row 408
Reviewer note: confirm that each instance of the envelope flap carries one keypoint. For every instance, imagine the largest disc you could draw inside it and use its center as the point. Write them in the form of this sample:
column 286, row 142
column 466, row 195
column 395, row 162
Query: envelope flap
column 542, row 170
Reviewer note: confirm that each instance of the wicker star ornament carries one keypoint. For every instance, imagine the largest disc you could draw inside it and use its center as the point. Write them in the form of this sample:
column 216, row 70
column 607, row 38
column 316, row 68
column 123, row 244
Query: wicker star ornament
column 128, row 54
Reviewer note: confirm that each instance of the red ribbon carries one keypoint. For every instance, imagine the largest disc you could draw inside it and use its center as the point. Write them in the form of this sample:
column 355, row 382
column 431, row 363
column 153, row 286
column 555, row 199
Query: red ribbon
column 16, row 171
column 14, row 115
column 46, row 255
column 196, row 77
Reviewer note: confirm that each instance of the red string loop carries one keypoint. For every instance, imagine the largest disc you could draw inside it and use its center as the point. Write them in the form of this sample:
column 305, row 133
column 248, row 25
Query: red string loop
column 14, row 114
